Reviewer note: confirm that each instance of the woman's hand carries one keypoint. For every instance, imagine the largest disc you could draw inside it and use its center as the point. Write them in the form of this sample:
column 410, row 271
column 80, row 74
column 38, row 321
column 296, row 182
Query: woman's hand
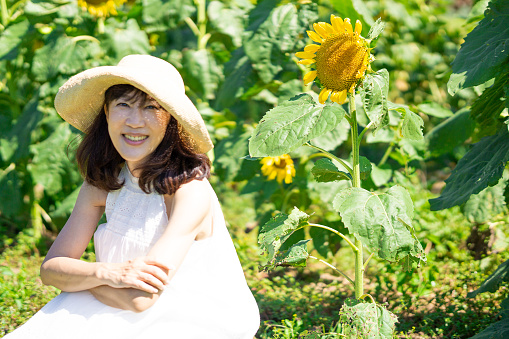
column 145, row 273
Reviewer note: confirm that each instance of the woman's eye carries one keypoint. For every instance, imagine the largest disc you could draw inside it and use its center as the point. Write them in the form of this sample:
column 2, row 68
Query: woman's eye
column 122, row 104
column 151, row 107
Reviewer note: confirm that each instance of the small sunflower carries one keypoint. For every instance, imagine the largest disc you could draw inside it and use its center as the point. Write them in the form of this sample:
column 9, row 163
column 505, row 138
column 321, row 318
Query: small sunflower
column 341, row 57
column 101, row 8
column 279, row 168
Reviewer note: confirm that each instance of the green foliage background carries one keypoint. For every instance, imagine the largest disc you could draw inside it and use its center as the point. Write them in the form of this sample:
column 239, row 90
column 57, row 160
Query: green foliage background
column 237, row 60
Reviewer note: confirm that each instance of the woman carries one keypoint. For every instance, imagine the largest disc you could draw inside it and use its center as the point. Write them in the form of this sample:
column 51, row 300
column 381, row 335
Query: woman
column 166, row 264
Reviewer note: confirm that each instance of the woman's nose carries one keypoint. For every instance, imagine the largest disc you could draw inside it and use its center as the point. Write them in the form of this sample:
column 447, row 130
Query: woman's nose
column 135, row 118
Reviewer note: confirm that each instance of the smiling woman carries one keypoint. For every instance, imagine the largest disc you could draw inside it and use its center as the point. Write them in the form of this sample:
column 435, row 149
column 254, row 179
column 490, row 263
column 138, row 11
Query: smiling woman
column 165, row 260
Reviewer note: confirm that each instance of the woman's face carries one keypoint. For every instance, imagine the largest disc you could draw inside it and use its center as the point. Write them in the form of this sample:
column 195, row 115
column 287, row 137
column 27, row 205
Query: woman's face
column 136, row 127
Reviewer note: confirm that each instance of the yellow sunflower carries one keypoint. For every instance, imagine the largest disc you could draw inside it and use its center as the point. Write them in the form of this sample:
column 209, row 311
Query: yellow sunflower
column 101, row 8
column 279, row 168
column 340, row 58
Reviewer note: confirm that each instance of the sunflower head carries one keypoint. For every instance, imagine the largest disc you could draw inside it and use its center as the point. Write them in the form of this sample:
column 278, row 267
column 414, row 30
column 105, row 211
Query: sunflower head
column 340, row 58
column 279, row 168
column 101, row 8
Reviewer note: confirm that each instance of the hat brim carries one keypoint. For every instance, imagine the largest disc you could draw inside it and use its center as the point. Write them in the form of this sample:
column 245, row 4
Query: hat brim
column 81, row 99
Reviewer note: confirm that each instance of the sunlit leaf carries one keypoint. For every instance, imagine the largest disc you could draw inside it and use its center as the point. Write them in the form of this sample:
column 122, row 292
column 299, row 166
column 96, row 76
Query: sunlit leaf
column 481, row 167
column 381, row 174
column 484, row 50
column 355, row 10
column 412, row 122
column 296, row 255
column 125, row 38
column 291, row 124
column 374, row 93
column 382, row 221
column 201, row 72
column 11, row 37
column 324, row 170
column 161, row 15
column 366, row 320
column 481, row 207
column 229, row 153
column 234, row 26
column 435, row 109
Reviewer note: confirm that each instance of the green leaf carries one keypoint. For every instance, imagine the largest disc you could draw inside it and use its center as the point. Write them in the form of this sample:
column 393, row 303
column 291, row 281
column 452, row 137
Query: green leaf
column 125, row 38
column 364, row 167
column 376, row 30
column 412, row 123
column 11, row 37
column 292, row 124
column 229, row 153
column 275, row 232
column 487, row 203
column 381, row 175
column 500, row 329
column 64, row 208
column 374, row 92
column 324, row 170
column 434, row 109
column 366, row 320
column 484, row 50
column 234, row 26
column 161, row 15
column 481, row 167
column 201, row 72
column 355, row 10
column 382, row 221
column 444, row 137
column 494, row 281
column 11, row 199
column 295, row 256
column 487, row 108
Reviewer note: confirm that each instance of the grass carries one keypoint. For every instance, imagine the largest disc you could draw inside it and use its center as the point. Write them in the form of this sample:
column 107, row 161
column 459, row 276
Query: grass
column 430, row 302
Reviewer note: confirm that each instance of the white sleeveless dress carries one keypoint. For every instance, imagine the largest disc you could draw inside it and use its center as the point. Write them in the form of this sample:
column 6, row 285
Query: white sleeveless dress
column 208, row 297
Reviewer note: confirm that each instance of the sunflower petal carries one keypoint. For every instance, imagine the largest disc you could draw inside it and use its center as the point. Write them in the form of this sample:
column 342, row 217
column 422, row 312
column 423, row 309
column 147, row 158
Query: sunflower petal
column 320, row 30
column 358, row 27
column 348, row 26
column 309, row 77
column 312, row 48
column 337, row 23
column 324, row 94
column 328, row 27
column 307, row 61
column 305, row 55
column 314, row 36
column 342, row 97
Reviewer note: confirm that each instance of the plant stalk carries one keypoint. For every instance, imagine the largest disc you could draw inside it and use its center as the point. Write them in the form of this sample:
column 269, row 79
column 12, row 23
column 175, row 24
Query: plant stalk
column 5, row 14
column 356, row 182
column 334, row 268
column 331, row 156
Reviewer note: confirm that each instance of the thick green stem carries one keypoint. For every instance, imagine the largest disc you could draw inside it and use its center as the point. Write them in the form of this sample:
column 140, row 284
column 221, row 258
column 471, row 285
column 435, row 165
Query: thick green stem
column 356, row 182
column 201, row 19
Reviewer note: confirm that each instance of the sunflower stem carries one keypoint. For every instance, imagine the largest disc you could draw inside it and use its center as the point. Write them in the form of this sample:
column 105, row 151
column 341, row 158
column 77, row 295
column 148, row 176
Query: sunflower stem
column 365, row 130
column 202, row 23
column 100, row 25
column 356, row 182
column 334, row 268
column 332, row 157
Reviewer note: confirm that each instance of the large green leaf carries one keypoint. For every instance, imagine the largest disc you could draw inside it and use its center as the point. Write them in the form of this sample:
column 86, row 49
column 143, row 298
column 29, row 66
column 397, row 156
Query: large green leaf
column 494, row 281
column 124, row 38
column 382, row 221
column 229, row 153
column 234, row 26
column 374, row 93
column 487, row 108
column 412, row 122
column 201, row 72
column 11, row 197
column 291, row 124
column 355, row 10
column 484, row 50
column 450, row 133
column 366, row 320
column 324, row 170
column 481, row 207
column 435, row 109
column 275, row 232
column 11, row 37
column 272, row 33
column 161, row 15
column 481, row 167
column 500, row 329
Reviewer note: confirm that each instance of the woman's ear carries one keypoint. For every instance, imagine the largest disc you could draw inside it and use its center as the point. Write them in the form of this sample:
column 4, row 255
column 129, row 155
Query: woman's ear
column 105, row 107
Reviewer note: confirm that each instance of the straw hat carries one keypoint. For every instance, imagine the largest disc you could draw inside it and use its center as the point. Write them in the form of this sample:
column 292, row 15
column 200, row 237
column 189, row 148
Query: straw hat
column 81, row 98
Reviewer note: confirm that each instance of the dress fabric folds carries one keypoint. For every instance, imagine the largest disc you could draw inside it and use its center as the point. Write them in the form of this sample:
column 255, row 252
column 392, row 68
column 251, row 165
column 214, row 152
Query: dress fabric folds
column 208, row 298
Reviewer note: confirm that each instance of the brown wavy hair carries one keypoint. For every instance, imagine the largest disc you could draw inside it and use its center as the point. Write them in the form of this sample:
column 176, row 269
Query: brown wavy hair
column 172, row 164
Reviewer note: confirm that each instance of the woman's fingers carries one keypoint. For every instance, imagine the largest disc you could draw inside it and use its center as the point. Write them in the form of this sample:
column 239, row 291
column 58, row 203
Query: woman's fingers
column 145, row 273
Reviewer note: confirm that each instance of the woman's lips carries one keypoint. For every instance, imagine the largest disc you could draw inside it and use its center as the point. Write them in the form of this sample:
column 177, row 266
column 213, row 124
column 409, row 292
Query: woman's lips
column 134, row 139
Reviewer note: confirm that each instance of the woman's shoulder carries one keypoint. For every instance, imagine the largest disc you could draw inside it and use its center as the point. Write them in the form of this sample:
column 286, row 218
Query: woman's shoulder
column 92, row 195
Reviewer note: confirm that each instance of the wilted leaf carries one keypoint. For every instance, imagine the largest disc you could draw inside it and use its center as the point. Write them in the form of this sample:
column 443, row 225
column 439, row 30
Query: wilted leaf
column 382, row 221
column 481, row 167
column 366, row 320
column 484, row 50
column 324, row 170
column 291, row 124
column 296, row 255
column 275, row 232
column 374, row 93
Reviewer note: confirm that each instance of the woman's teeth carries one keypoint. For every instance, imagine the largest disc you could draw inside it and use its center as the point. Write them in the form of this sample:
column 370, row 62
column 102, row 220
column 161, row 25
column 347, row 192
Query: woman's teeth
column 135, row 138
